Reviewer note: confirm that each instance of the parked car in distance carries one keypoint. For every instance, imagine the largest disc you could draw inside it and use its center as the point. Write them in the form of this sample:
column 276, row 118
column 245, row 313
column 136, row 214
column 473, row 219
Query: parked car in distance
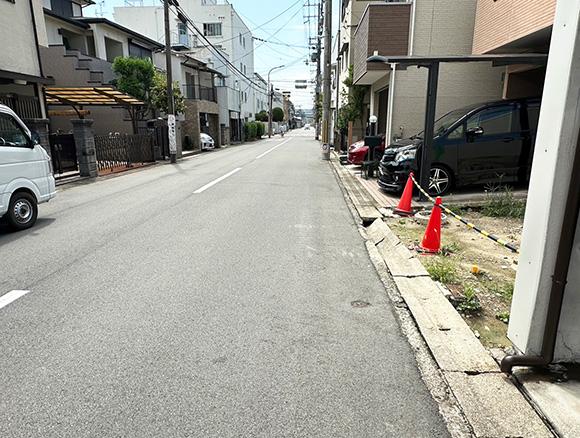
column 486, row 143
column 207, row 143
column 357, row 152
column 26, row 178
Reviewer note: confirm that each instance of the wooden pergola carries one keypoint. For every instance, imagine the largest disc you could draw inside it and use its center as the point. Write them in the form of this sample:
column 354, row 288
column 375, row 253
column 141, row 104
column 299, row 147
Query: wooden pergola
column 78, row 97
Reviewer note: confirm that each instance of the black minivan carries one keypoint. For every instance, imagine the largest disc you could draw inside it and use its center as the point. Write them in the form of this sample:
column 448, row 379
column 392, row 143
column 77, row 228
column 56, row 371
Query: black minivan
column 479, row 144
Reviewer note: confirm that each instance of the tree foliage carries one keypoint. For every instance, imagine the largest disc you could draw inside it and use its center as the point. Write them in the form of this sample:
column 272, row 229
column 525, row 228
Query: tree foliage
column 278, row 114
column 354, row 107
column 262, row 116
column 138, row 78
column 158, row 94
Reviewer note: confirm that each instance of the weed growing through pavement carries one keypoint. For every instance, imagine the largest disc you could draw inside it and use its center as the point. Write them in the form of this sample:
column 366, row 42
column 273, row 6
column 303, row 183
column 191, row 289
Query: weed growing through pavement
column 442, row 270
column 503, row 316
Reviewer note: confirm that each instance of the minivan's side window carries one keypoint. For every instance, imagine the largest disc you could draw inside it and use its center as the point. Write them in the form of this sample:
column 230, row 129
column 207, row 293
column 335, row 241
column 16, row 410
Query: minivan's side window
column 11, row 134
column 496, row 120
column 533, row 116
column 457, row 133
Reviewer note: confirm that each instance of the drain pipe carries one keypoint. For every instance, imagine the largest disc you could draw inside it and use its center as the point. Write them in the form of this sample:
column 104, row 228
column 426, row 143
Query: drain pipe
column 556, row 298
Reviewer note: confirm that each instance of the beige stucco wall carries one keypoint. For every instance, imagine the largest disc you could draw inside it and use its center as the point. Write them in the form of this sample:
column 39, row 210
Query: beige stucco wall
column 19, row 52
column 443, row 27
column 499, row 22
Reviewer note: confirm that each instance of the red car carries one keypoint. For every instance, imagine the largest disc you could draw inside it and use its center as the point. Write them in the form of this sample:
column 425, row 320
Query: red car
column 358, row 151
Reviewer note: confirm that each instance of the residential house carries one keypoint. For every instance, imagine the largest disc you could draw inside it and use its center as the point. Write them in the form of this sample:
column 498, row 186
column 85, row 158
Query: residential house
column 233, row 42
column 515, row 26
column 197, row 83
column 21, row 72
column 420, row 28
column 80, row 52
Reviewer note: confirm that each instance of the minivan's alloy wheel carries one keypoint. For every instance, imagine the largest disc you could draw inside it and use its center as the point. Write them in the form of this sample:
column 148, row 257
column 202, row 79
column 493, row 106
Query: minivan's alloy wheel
column 439, row 181
column 22, row 211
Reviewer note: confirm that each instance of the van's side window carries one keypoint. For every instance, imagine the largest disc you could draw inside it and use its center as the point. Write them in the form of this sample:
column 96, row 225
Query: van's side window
column 11, row 133
column 496, row 120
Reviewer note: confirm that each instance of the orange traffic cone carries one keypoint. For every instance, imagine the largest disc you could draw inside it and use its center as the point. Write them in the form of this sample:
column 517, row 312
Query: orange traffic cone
column 404, row 207
column 432, row 240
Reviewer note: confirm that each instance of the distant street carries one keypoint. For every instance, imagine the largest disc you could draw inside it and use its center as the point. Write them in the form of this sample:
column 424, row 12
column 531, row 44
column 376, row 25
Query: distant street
column 211, row 298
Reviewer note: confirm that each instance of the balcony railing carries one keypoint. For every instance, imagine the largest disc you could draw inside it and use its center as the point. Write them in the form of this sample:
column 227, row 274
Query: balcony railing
column 27, row 107
column 198, row 92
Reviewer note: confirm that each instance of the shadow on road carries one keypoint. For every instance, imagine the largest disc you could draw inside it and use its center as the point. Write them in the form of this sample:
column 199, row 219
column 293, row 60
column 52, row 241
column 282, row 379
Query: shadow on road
column 7, row 235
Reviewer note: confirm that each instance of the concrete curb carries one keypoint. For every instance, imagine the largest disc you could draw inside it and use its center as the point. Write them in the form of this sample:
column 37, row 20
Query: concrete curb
column 490, row 402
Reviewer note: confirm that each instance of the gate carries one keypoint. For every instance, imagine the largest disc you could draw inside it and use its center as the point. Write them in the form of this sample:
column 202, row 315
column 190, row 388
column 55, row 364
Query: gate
column 118, row 152
column 63, row 153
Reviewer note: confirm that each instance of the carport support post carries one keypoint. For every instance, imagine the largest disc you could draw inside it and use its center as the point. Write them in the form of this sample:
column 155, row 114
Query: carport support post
column 432, row 81
column 85, row 145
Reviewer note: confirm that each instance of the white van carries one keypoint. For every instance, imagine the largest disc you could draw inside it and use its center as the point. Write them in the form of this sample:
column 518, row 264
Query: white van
column 26, row 178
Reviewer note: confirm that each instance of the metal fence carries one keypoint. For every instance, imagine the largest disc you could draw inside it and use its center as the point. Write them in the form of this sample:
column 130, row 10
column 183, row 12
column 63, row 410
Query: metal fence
column 27, row 107
column 123, row 151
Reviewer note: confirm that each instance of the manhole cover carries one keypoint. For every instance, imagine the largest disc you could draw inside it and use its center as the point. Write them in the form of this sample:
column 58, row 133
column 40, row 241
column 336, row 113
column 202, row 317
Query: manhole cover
column 360, row 303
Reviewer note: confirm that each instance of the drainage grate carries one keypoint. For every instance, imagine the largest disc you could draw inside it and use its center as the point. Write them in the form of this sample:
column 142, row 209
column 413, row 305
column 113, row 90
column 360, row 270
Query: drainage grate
column 360, row 303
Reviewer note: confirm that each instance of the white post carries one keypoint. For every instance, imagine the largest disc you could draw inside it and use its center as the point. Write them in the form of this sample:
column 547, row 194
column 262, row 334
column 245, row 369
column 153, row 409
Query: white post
column 555, row 149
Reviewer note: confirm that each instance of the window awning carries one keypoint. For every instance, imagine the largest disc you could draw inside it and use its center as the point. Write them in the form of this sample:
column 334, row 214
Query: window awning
column 85, row 96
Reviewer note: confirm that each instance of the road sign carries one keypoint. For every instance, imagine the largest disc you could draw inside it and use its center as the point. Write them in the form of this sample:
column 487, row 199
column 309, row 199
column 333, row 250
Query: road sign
column 171, row 134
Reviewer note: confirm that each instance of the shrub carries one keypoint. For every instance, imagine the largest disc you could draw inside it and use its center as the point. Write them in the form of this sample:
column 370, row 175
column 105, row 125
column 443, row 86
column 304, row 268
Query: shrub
column 261, row 129
column 442, row 270
column 250, row 130
column 500, row 202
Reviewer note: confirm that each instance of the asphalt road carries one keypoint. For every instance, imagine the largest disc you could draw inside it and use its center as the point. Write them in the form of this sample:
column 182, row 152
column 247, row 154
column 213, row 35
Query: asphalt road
column 162, row 305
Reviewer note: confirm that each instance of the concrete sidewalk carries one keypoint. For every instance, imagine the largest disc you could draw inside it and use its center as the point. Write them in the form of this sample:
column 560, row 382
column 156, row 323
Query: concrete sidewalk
column 490, row 402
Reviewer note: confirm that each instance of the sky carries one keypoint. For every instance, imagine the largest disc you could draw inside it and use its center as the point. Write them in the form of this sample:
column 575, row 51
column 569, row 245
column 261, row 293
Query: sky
column 289, row 28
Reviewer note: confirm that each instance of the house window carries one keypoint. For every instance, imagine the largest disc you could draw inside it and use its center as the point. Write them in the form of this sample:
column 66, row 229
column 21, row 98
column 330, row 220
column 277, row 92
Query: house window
column 182, row 32
column 139, row 52
column 77, row 10
column 212, row 29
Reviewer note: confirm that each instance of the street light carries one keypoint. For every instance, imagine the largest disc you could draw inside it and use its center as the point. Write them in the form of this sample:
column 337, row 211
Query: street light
column 270, row 96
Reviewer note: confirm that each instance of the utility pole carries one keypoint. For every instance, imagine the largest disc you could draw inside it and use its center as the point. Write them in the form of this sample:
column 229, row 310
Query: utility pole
column 317, row 114
column 271, row 98
column 338, row 68
column 170, row 114
column 326, row 79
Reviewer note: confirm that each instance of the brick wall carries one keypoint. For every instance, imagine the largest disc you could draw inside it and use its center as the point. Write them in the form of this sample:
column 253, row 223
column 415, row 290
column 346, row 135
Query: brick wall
column 499, row 22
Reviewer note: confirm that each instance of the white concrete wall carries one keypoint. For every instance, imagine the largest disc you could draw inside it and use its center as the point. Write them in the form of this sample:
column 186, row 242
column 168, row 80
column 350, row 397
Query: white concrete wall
column 19, row 51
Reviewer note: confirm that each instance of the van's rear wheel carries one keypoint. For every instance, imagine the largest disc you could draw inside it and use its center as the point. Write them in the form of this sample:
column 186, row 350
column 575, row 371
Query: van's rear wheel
column 22, row 211
column 440, row 180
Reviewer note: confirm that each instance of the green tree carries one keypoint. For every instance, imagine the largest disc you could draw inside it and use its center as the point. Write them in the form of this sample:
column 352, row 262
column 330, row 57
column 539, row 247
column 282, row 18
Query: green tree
column 277, row 114
column 158, row 94
column 134, row 77
column 355, row 102
column 262, row 116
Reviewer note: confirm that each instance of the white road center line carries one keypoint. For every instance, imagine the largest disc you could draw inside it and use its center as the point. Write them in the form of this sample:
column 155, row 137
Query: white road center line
column 217, row 180
column 271, row 149
column 13, row 295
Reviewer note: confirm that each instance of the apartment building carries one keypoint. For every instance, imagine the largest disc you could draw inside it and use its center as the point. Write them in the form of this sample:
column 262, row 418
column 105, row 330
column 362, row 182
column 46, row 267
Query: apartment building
column 225, row 29
column 422, row 28
column 21, row 72
column 515, row 26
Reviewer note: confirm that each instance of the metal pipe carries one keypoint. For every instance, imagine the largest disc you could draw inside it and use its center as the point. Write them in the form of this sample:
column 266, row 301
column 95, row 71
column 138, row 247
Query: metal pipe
column 270, row 98
column 390, row 106
column 559, row 278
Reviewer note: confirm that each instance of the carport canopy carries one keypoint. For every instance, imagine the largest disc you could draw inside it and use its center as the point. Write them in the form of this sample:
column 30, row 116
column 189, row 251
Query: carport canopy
column 77, row 97
column 432, row 63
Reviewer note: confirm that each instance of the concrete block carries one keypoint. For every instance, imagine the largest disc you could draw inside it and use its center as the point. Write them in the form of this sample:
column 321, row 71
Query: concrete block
column 399, row 260
column 451, row 341
column 559, row 401
column 494, row 407
column 377, row 231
